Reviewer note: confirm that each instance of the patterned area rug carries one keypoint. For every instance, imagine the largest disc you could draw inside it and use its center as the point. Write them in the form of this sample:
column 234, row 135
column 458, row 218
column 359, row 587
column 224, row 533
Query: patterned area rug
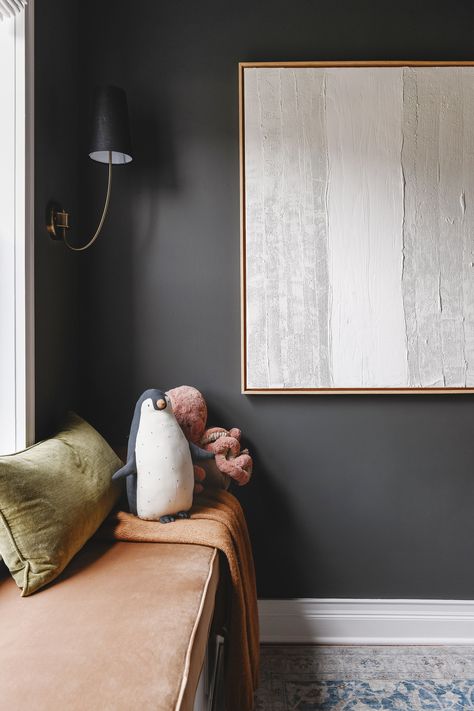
column 310, row 678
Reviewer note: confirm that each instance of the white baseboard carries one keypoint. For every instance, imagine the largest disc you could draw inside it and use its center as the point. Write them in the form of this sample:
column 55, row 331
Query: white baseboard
column 334, row 621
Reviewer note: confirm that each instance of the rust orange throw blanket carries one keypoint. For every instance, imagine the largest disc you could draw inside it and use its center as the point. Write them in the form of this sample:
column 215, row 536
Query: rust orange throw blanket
column 217, row 520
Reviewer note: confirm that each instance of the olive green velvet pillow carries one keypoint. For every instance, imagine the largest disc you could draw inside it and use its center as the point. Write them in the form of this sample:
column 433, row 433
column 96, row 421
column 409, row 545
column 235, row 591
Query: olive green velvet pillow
column 53, row 497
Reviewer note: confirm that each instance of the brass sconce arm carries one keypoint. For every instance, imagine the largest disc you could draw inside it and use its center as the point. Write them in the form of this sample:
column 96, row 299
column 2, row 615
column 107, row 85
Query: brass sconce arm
column 109, row 144
column 57, row 222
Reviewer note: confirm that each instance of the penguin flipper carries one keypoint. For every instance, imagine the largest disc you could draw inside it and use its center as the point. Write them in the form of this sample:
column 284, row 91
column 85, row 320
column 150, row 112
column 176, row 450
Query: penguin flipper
column 198, row 454
column 132, row 493
column 129, row 468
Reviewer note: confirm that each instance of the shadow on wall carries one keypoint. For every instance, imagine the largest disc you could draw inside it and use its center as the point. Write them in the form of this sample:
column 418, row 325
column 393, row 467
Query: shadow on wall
column 265, row 500
column 107, row 354
column 155, row 168
column 276, row 545
column 109, row 269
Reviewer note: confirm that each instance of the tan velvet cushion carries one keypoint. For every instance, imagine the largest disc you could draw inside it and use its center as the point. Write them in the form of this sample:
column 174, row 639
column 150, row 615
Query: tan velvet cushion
column 124, row 627
column 53, row 497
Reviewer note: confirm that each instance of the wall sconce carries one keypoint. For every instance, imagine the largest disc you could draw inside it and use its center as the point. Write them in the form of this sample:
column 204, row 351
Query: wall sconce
column 110, row 143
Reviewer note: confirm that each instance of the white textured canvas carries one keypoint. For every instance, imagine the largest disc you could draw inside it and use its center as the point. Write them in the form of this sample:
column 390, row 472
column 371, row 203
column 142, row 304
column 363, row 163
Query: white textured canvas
column 359, row 268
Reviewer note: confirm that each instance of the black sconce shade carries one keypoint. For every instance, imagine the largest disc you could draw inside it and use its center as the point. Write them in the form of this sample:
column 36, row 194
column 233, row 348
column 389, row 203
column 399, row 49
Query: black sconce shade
column 110, row 126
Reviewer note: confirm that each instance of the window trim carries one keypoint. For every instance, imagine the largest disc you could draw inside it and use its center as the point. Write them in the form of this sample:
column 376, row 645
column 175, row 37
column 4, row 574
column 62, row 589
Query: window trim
column 23, row 365
column 29, row 415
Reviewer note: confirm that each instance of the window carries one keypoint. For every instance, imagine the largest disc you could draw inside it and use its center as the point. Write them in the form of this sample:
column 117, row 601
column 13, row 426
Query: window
column 16, row 253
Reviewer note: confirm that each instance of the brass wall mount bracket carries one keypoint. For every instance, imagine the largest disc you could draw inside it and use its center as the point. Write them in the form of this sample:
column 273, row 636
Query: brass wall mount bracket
column 57, row 221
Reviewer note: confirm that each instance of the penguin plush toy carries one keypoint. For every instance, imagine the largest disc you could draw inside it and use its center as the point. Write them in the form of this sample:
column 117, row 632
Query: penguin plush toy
column 159, row 469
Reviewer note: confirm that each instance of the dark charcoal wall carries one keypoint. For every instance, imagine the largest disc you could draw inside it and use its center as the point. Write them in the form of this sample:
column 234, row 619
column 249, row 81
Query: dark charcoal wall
column 56, row 176
column 352, row 496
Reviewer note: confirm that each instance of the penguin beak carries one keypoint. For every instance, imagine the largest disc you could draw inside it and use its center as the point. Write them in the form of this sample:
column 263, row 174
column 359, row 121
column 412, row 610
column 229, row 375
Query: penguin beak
column 161, row 404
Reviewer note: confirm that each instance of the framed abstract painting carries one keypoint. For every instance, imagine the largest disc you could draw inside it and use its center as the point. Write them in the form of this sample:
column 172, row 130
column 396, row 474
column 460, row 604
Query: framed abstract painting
column 357, row 227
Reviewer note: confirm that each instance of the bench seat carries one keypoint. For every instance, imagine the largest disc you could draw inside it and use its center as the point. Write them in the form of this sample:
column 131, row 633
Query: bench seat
column 124, row 627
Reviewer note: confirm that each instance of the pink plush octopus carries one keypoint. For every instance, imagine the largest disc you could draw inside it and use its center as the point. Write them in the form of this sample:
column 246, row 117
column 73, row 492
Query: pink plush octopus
column 230, row 462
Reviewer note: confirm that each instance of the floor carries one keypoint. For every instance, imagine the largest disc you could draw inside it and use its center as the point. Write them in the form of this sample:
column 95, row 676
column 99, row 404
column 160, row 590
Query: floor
column 310, row 678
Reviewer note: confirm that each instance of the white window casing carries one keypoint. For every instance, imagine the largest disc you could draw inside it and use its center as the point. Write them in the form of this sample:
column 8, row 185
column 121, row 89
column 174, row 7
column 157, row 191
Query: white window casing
column 10, row 8
column 16, row 233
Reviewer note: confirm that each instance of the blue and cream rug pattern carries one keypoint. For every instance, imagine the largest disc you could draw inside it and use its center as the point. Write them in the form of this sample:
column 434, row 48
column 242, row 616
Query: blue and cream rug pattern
column 310, row 678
